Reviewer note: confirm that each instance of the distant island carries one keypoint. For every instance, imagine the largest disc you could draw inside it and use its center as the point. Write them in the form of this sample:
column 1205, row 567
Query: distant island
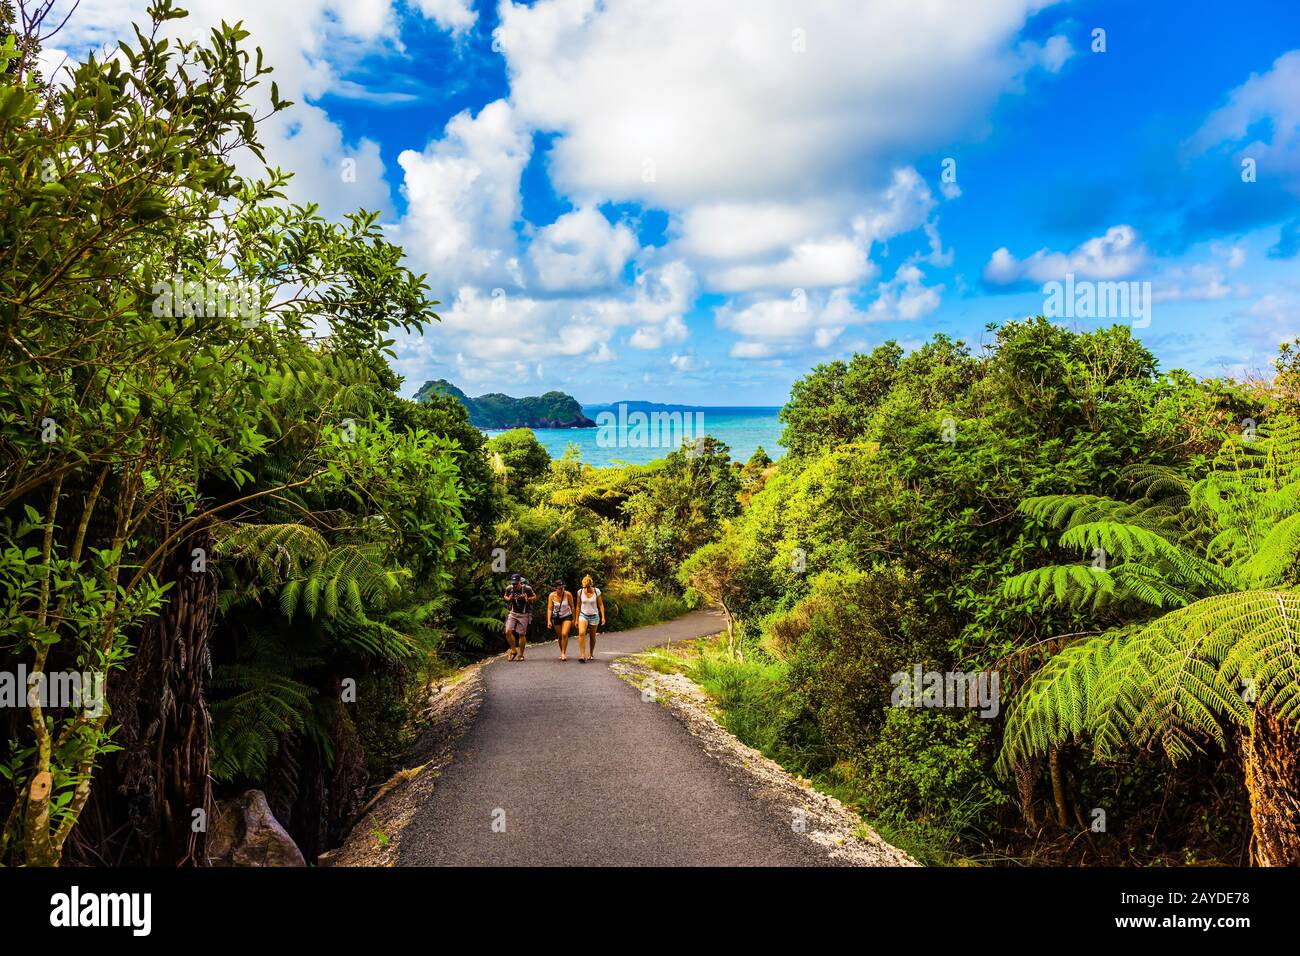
column 495, row 410
column 641, row 406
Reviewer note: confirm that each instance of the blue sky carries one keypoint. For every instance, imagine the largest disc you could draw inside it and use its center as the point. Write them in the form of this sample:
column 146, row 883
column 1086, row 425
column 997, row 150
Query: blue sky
column 699, row 201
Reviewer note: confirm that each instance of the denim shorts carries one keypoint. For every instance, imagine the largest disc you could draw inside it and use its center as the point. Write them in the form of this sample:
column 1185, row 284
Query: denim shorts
column 591, row 618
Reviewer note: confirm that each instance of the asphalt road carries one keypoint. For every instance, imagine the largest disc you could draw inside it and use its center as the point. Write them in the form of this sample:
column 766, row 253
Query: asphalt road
column 567, row 766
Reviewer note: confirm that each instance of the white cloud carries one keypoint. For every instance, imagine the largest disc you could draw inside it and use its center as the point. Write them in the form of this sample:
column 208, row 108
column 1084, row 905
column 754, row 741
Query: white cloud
column 727, row 108
column 818, row 263
column 653, row 337
column 1273, row 96
column 905, row 297
column 1205, row 280
column 683, row 362
column 1272, row 319
column 495, row 328
column 1051, row 55
column 581, row 251
column 462, row 197
column 740, row 230
column 823, row 244
column 770, row 327
column 455, row 16
column 1116, row 255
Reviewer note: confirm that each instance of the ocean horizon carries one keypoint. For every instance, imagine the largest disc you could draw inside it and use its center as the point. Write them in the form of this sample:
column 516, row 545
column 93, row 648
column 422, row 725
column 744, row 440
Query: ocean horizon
column 742, row 428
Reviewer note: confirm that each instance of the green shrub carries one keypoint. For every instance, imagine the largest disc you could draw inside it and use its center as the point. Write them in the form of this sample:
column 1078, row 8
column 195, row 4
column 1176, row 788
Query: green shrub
column 933, row 767
column 843, row 642
column 759, row 708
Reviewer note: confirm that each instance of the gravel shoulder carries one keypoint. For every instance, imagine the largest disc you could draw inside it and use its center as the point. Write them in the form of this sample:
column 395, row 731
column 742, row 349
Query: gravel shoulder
column 376, row 838
column 821, row 818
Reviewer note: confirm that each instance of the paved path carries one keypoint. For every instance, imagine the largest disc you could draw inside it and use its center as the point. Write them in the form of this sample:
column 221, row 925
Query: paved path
column 589, row 774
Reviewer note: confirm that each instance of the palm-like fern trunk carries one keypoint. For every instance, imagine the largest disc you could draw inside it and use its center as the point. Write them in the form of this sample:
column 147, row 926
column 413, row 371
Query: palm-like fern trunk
column 164, row 716
column 1271, row 755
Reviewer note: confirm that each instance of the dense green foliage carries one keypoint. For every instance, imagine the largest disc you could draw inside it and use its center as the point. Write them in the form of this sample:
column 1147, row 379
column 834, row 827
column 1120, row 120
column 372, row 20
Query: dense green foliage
column 915, row 486
column 170, row 418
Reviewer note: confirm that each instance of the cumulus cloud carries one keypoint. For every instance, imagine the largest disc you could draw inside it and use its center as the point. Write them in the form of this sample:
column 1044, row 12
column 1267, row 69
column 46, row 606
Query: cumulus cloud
column 462, row 194
column 905, row 297
column 1271, row 320
column 494, row 328
column 1203, row 281
column 803, row 323
column 1116, row 255
column 683, row 362
column 581, row 251
column 1273, row 96
column 455, row 16
column 779, row 101
column 745, row 247
column 1051, row 54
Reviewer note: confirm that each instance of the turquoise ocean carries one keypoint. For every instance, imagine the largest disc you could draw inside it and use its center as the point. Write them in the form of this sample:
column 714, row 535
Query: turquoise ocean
column 743, row 429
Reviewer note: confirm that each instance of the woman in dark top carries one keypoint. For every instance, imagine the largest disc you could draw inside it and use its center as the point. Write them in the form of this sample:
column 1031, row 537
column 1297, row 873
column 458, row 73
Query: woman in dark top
column 559, row 616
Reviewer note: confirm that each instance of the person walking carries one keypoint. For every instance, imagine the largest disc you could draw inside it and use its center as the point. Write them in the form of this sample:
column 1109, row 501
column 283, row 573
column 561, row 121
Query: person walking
column 591, row 618
column 559, row 615
column 519, row 598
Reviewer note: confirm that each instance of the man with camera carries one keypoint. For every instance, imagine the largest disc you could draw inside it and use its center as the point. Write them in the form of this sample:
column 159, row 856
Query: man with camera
column 519, row 598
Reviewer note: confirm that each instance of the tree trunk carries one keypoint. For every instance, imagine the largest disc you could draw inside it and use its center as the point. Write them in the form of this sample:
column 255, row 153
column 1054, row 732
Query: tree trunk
column 164, row 716
column 1271, row 759
column 1058, row 787
column 1026, row 774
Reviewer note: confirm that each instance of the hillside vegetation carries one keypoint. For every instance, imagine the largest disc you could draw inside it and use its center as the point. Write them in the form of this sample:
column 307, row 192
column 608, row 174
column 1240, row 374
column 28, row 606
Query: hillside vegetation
column 1116, row 545
column 495, row 410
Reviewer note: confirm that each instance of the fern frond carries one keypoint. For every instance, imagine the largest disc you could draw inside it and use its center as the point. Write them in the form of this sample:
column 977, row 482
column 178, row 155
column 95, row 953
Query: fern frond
column 1055, row 707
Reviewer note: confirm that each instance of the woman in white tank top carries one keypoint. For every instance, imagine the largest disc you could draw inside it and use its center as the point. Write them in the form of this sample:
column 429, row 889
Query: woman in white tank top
column 559, row 616
column 591, row 618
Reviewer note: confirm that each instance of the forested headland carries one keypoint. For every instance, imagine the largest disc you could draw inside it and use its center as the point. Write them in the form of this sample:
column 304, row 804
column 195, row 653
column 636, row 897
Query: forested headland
column 214, row 499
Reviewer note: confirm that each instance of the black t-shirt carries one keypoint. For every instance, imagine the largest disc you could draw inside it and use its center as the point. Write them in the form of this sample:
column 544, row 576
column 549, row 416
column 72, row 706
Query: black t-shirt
column 517, row 598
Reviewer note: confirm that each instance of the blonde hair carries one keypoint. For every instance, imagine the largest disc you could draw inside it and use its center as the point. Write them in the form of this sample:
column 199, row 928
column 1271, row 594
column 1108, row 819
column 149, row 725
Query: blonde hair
column 587, row 582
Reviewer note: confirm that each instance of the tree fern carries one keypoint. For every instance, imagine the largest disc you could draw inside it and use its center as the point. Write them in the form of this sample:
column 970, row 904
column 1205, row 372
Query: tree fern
column 315, row 577
column 257, row 702
column 1219, row 556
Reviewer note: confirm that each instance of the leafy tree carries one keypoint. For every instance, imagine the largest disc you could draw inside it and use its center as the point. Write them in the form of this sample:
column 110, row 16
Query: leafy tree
column 144, row 335
column 521, row 455
column 832, row 404
column 714, row 571
column 683, row 508
column 1218, row 561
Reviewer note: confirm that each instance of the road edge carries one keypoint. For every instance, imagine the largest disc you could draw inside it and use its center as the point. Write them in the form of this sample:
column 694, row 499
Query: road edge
column 453, row 708
column 821, row 818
